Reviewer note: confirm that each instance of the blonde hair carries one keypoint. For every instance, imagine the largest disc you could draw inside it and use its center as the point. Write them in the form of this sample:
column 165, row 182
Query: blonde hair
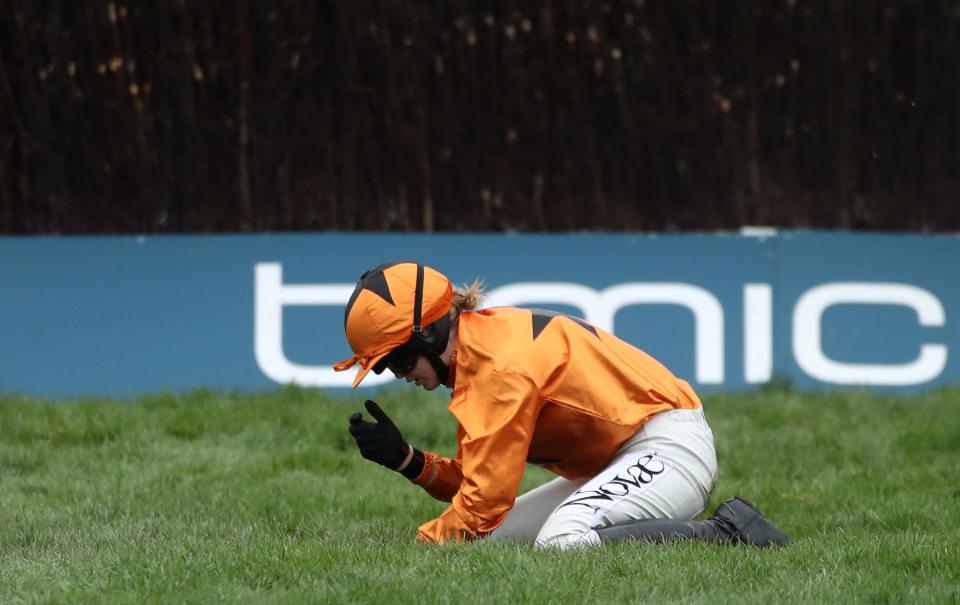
column 467, row 298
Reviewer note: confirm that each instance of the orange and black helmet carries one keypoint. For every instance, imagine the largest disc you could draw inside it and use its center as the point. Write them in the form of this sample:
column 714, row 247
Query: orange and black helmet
column 389, row 308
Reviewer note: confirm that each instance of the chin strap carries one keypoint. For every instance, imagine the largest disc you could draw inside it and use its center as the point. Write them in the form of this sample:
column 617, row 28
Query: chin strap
column 442, row 370
column 429, row 347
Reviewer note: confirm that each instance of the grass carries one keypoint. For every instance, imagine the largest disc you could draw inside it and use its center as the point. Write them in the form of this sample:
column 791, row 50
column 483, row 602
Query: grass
column 216, row 498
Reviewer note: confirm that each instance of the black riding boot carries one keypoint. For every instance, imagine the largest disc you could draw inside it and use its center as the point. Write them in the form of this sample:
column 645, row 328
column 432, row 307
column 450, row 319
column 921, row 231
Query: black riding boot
column 734, row 520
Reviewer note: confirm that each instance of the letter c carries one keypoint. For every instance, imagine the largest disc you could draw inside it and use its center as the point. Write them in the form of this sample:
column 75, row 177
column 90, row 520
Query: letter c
column 807, row 328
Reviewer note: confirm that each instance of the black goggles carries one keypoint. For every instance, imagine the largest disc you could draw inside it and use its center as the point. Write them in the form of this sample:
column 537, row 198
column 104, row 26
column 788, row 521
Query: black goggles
column 399, row 361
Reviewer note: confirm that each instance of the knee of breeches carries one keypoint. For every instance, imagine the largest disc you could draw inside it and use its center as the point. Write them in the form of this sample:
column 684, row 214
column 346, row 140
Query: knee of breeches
column 566, row 541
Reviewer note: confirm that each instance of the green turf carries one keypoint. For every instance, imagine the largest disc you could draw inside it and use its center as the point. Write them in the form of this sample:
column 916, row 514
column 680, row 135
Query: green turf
column 207, row 498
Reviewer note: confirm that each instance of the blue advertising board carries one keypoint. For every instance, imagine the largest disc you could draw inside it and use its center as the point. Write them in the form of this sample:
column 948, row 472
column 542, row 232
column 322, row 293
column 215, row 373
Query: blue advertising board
column 129, row 315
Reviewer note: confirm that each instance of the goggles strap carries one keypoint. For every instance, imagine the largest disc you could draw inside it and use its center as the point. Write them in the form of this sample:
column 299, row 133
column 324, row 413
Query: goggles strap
column 418, row 301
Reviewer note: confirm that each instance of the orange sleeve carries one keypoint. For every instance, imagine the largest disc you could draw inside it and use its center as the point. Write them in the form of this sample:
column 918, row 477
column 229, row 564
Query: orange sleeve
column 497, row 419
column 441, row 477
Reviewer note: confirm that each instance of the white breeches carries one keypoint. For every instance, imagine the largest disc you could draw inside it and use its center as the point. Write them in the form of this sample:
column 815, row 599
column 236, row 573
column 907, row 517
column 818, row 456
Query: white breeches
column 666, row 470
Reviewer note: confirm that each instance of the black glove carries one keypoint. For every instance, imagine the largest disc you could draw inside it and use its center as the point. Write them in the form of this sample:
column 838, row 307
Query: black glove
column 380, row 441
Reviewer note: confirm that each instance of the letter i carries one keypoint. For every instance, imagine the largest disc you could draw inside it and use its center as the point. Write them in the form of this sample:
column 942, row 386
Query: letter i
column 757, row 333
